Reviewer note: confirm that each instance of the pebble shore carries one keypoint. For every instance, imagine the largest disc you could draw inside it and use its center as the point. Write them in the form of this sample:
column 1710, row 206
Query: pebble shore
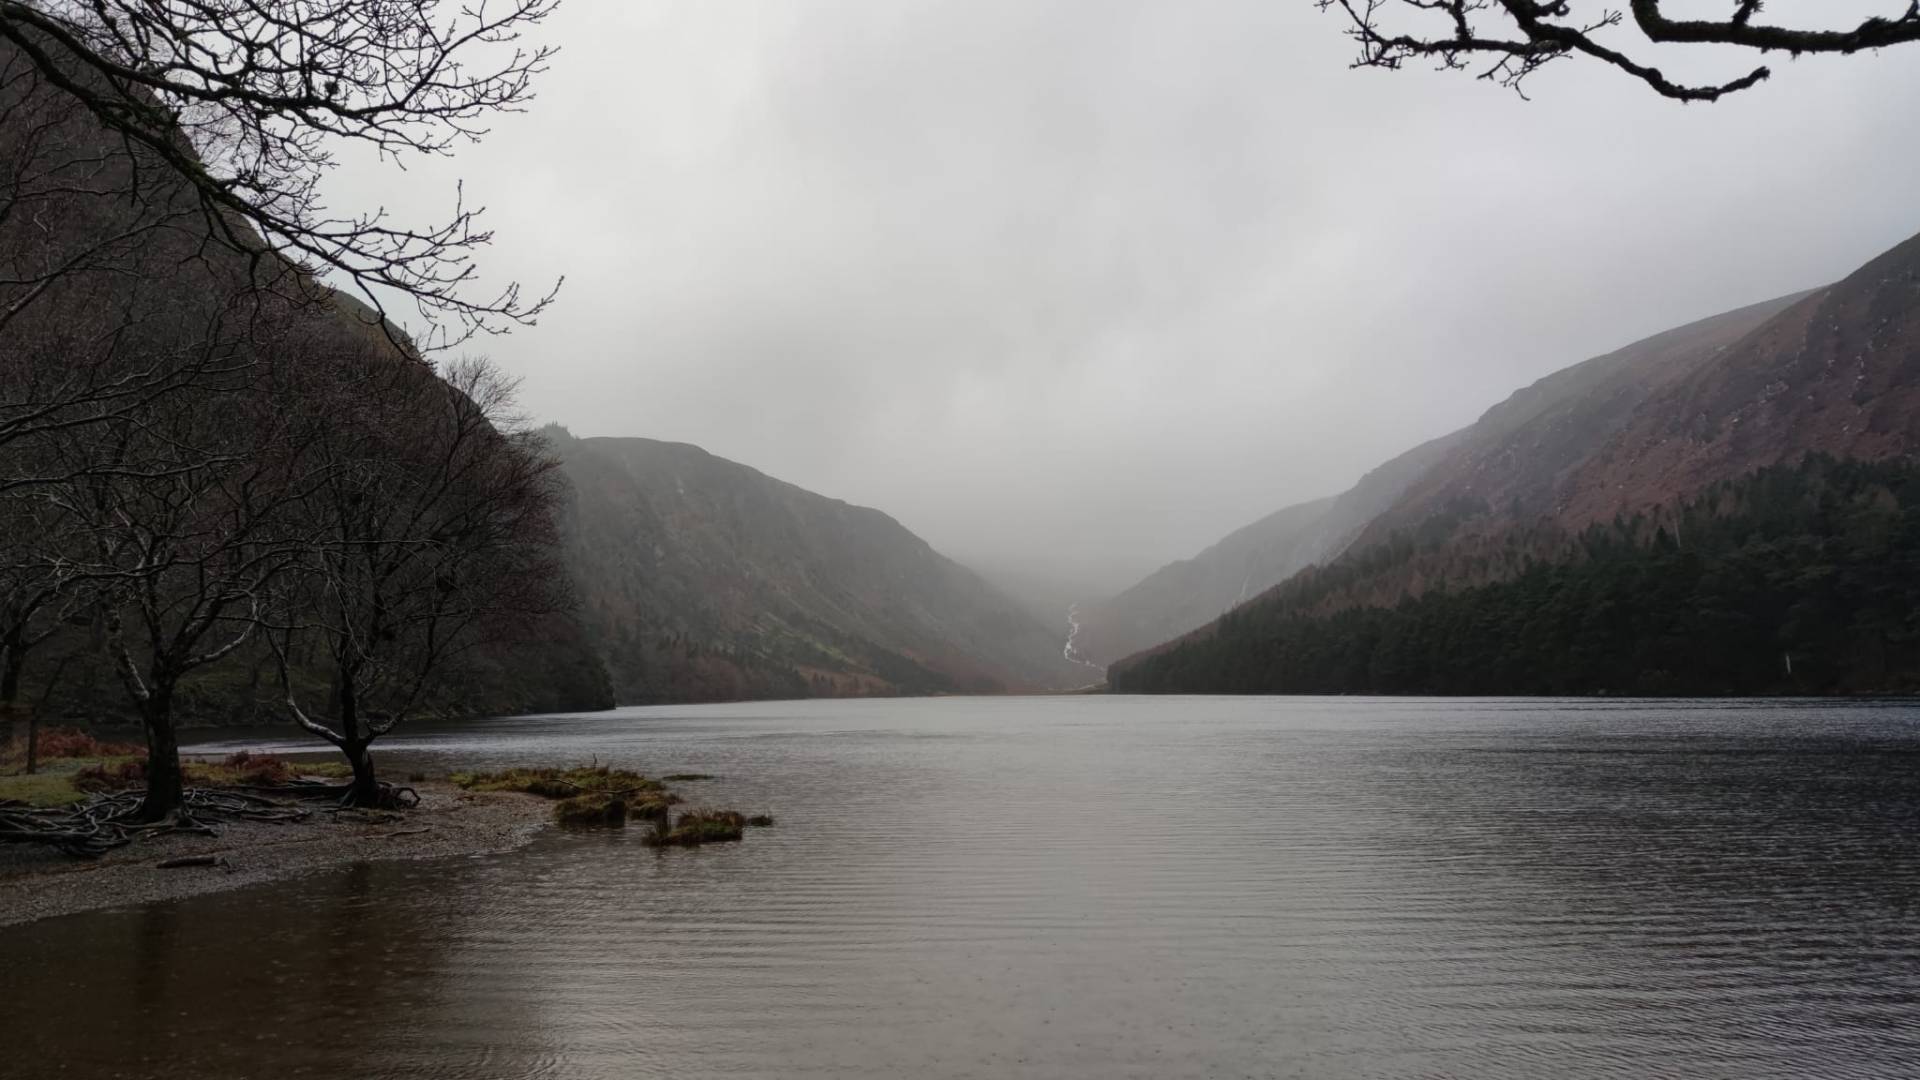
column 38, row 883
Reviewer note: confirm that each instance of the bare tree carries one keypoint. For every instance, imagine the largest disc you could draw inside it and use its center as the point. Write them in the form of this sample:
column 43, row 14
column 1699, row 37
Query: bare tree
column 185, row 511
column 432, row 533
column 35, row 598
column 128, row 338
column 162, row 249
column 98, row 242
column 1505, row 41
column 246, row 103
column 34, row 601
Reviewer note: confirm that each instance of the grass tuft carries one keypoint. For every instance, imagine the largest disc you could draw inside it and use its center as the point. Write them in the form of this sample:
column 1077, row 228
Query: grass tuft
column 117, row 775
column 246, row 770
column 653, row 807
column 696, row 827
column 590, row 811
column 47, row 788
column 235, row 770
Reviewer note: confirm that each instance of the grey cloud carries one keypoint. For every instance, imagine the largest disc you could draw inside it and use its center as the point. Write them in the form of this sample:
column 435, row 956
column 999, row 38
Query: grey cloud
column 1082, row 286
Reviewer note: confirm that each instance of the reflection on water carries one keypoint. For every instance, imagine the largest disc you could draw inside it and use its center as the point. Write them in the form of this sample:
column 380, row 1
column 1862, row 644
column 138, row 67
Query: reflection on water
column 1080, row 887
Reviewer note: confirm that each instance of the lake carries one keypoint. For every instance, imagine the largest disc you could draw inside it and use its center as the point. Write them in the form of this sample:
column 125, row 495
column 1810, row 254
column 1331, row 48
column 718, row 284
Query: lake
column 1078, row 887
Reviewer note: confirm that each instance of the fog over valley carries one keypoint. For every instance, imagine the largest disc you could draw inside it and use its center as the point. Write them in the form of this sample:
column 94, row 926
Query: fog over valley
column 1363, row 539
column 1073, row 289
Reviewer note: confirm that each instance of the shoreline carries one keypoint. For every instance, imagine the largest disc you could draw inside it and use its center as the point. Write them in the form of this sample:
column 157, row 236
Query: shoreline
column 40, row 883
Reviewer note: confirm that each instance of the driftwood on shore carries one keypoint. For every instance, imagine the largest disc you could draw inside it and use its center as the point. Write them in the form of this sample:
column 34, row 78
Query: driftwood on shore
column 392, row 796
column 185, row 861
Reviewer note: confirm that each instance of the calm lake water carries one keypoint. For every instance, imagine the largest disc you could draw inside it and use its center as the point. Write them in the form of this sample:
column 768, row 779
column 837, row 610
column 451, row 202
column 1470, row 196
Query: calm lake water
column 1080, row 887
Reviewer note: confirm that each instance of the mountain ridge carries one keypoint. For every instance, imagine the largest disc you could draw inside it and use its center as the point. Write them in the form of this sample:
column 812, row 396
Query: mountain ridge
column 1626, row 438
column 1250, row 560
column 705, row 579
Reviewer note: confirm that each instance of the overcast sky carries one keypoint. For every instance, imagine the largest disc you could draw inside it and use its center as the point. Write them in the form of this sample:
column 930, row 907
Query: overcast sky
column 1079, row 287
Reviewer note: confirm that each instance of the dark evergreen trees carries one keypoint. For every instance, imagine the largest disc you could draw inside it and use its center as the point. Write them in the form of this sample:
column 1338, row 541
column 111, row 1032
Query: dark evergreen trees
column 1797, row 579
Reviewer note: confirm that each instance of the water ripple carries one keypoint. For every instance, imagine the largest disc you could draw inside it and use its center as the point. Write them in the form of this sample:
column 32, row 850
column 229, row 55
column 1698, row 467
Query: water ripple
column 1081, row 888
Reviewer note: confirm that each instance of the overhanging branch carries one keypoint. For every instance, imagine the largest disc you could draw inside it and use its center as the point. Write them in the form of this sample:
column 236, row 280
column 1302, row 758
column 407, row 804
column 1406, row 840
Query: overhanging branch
column 1515, row 38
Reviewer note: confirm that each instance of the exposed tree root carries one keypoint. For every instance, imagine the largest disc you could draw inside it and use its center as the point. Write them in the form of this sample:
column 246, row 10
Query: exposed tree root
column 391, row 797
column 110, row 821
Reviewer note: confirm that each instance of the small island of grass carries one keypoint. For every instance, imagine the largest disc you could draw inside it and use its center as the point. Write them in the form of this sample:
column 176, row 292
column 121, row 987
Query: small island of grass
column 696, row 827
column 600, row 796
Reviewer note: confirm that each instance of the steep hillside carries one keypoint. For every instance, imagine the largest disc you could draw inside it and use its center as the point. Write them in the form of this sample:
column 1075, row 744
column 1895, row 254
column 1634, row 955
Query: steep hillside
column 159, row 352
column 1183, row 595
column 704, row 580
column 1513, row 462
column 1622, row 441
column 1796, row 579
column 1838, row 372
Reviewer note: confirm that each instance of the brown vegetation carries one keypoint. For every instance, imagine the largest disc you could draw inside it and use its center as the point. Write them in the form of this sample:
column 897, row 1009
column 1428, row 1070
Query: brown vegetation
column 64, row 743
column 240, row 770
column 599, row 796
column 597, row 810
column 696, row 827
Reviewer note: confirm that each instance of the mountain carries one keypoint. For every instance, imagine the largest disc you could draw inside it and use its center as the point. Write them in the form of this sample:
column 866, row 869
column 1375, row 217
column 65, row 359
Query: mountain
column 1837, row 372
column 1512, row 458
column 1187, row 594
column 1602, row 464
column 704, row 580
column 1513, row 461
column 1800, row 579
column 1247, row 562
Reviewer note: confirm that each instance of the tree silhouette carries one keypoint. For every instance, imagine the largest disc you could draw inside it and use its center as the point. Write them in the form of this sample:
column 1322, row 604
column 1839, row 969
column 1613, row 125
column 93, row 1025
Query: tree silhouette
column 248, row 102
column 1505, row 41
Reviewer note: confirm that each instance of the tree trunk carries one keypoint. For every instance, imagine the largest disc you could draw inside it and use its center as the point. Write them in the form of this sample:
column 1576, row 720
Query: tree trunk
column 33, row 742
column 10, row 675
column 9, row 694
column 365, row 789
column 165, row 787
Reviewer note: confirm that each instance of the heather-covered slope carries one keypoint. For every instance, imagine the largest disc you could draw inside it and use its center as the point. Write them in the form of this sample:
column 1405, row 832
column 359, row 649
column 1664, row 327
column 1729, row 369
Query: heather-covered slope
column 702, row 579
column 1514, row 461
column 1510, row 465
column 1838, row 372
column 1621, row 442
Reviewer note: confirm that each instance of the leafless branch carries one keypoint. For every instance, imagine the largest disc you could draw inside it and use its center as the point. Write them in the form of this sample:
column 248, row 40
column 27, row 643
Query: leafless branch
column 1506, row 41
column 247, row 102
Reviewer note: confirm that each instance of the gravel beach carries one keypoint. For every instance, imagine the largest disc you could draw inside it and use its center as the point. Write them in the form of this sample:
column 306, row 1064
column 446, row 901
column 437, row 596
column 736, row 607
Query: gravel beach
column 38, row 883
